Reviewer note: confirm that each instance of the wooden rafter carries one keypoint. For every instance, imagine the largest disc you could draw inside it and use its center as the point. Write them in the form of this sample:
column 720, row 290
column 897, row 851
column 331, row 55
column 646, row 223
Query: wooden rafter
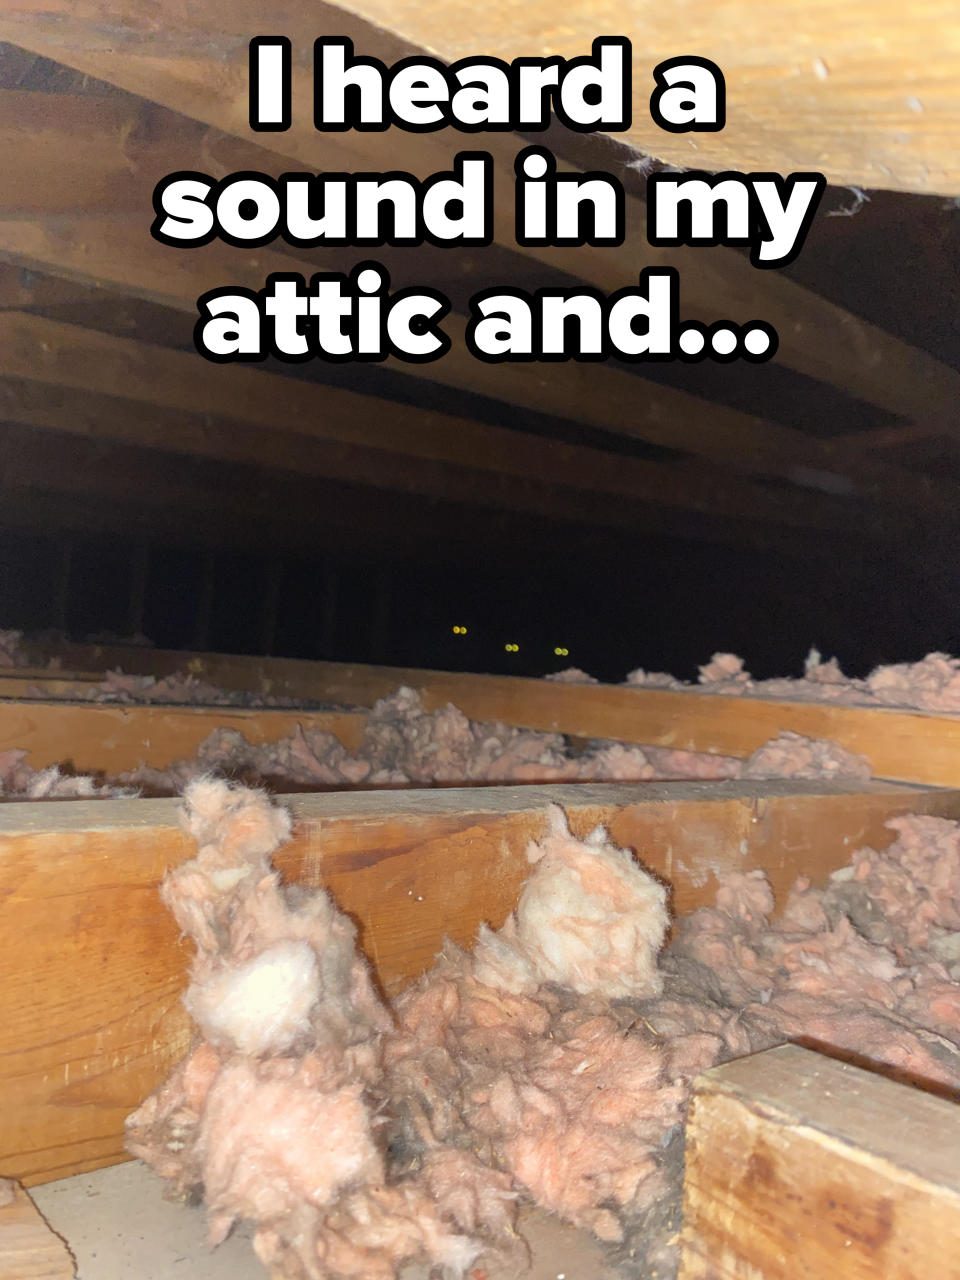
column 93, row 472
column 66, row 356
column 866, row 95
column 198, row 66
column 123, row 256
column 29, row 1248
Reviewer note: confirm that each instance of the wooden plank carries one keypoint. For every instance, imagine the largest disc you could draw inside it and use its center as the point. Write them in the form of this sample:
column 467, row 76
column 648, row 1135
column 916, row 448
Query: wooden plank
column 40, row 350
column 15, row 684
column 89, row 1008
column 867, row 96
column 198, row 65
column 354, row 521
column 39, row 136
column 799, row 1165
column 107, row 737
column 29, row 1249
column 122, row 255
column 911, row 746
column 312, row 485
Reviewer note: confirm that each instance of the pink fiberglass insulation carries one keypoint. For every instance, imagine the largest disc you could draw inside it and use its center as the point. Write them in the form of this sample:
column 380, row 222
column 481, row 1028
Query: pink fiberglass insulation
column 525, row 1050
column 278, row 1113
column 572, row 675
column 791, row 755
column 405, row 746
column 932, row 684
column 11, row 649
column 182, row 688
column 19, row 779
column 553, row 1062
column 580, row 1094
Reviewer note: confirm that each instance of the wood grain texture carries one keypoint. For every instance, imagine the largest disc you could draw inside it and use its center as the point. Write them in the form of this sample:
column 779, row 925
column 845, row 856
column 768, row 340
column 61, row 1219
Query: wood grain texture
column 104, row 737
column 800, row 1166
column 50, row 352
column 194, row 61
column 203, row 479
column 121, row 255
column 911, row 746
column 29, row 1249
column 90, row 1018
column 867, row 94
column 42, row 684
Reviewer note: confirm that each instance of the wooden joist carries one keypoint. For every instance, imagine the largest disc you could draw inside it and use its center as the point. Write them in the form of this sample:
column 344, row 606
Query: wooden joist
column 90, row 1018
column 42, row 682
column 799, row 1165
column 911, row 746
column 110, row 738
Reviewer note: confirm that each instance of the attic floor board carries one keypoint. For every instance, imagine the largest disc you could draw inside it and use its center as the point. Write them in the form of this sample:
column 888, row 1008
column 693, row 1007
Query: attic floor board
column 118, row 1225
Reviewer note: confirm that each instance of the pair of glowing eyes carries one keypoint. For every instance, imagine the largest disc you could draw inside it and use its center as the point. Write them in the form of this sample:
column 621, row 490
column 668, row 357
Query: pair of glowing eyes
column 559, row 652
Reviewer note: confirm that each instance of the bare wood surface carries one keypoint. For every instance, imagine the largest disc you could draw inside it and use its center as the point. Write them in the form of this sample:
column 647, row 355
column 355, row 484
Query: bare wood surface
column 215, row 479
column 197, row 64
column 911, row 746
column 47, row 351
column 867, row 95
column 29, row 1249
column 122, row 255
column 90, row 1018
column 42, row 141
column 799, row 1165
column 104, row 737
column 43, row 684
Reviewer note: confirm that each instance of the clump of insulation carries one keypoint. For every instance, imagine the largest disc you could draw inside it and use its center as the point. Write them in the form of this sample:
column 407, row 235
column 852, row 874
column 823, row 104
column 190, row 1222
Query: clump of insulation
column 551, row 1063
column 276, row 1113
column 528, row 1050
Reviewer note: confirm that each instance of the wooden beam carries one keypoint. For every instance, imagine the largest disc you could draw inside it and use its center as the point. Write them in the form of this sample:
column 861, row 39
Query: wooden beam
column 40, row 683
column 49, row 352
column 66, row 482
column 868, row 96
column 191, row 489
column 351, row 522
column 122, row 255
column 199, row 66
column 29, row 1248
column 912, row 746
column 85, row 874
column 205, row 519
column 801, row 1165
column 39, row 135
column 111, row 738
